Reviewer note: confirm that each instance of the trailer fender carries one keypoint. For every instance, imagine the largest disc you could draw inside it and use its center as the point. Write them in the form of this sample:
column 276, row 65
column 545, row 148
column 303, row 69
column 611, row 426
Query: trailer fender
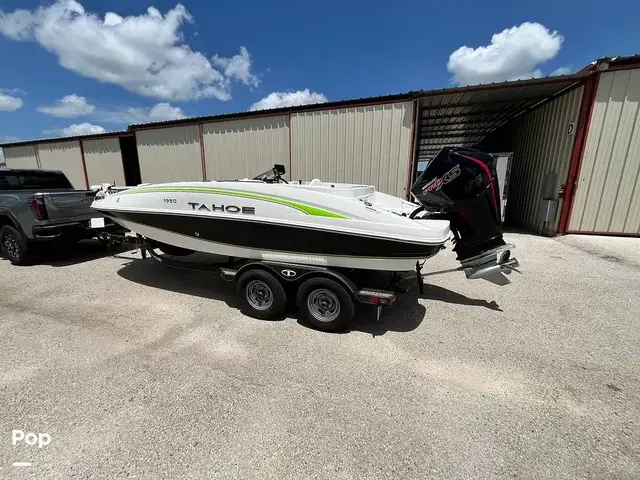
column 292, row 274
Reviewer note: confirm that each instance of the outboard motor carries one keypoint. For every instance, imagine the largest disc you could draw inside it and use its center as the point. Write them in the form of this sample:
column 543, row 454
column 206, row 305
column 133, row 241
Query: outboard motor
column 461, row 185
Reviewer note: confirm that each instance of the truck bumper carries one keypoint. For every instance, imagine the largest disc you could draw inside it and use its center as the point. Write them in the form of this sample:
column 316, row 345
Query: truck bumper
column 72, row 231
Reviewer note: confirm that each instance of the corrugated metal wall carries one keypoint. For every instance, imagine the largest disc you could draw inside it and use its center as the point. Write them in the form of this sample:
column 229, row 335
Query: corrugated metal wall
column 607, row 197
column 170, row 154
column 104, row 161
column 63, row 156
column 21, row 157
column 244, row 148
column 542, row 142
column 368, row 145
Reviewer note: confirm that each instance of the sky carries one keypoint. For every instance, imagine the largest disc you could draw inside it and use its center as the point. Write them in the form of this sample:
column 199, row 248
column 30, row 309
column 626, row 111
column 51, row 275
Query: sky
column 71, row 67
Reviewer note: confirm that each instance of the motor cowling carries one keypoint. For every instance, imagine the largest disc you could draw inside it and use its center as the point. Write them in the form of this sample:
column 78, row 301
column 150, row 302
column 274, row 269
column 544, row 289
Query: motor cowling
column 461, row 185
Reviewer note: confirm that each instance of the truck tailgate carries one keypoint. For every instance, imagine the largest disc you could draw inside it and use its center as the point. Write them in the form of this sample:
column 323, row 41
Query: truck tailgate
column 65, row 206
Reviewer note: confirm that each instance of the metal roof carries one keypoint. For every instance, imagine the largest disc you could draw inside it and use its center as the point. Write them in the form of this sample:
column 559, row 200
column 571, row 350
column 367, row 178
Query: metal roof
column 473, row 110
column 463, row 117
column 400, row 97
column 396, row 97
column 90, row 136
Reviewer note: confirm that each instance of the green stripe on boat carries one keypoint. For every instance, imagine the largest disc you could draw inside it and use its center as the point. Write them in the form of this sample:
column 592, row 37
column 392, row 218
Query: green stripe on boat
column 308, row 209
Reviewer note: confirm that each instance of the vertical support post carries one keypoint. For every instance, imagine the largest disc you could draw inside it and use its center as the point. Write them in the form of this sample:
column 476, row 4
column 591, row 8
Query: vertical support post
column 412, row 146
column 35, row 148
column 84, row 165
column 202, row 155
column 290, row 153
column 124, row 168
column 584, row 121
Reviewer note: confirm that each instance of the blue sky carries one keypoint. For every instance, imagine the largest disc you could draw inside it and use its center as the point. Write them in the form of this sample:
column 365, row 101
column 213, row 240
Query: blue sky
column 65, row 64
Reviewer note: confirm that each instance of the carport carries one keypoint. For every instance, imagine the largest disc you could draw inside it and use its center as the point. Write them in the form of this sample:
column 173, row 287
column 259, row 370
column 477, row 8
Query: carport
column 535, row 119
column 575, row 141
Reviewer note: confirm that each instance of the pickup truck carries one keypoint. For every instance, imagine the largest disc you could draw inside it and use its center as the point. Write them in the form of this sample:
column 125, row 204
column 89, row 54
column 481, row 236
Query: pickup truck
column 40, row 208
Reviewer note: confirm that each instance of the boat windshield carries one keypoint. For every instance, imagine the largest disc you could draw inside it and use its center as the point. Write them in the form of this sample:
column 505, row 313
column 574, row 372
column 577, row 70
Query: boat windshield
column 273, row 175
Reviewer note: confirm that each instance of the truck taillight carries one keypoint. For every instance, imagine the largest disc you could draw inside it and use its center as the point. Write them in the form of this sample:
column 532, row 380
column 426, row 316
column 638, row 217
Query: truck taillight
column 37, row 206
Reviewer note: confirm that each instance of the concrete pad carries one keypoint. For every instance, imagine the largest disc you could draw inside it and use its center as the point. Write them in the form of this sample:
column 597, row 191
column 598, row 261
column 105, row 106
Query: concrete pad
column 137, row 370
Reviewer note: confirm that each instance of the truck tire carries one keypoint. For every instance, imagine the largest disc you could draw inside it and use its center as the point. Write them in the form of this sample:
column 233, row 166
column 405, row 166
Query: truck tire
column 14, row 245
column 325, row 304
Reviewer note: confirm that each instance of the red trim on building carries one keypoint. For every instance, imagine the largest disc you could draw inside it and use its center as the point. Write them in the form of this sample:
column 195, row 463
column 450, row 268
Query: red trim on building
column 584, row 121
column 84, row 165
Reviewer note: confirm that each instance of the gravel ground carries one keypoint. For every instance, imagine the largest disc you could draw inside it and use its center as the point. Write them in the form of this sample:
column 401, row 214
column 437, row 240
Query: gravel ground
column 137, row 370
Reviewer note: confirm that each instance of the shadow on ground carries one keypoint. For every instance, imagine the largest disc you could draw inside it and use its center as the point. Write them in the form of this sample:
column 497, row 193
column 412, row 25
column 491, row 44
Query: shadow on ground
column 434, row 292
column 58, row 255
column 404, row 316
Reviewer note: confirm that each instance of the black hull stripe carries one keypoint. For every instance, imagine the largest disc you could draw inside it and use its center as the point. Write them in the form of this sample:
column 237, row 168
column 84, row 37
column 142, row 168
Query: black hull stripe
column 289, row 238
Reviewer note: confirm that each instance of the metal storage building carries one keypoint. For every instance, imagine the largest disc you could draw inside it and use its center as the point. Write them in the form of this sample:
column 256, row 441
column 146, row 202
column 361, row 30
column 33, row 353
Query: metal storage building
column 85, row 160
column 355, row 141
column 575, row 141
column 243, row 148
column 607, row 198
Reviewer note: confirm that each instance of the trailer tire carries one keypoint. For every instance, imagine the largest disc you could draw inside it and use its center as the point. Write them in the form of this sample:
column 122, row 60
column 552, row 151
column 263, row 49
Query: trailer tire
column 14, row 245
column 261, row 295
column 325, row 304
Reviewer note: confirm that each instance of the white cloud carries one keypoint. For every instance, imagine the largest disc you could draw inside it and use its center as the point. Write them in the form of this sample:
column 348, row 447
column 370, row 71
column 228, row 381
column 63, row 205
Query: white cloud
column 289, row 99
column 512, row 54
column 561, row 71
column 9, row 103
column 164, row 111
column 238, row 67
column 157, row 113
column 69, row 106
column 145, row 54
column 84, row 128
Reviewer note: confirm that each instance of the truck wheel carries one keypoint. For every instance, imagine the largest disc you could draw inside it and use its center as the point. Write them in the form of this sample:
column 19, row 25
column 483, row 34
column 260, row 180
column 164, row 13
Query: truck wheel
column 14, row 245
column 325, row 304
column 261, row 295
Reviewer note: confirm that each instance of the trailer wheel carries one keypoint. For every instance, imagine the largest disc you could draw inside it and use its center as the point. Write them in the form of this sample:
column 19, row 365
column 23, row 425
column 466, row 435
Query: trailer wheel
column 14, row 245
column 261, row 294
column 325, row 304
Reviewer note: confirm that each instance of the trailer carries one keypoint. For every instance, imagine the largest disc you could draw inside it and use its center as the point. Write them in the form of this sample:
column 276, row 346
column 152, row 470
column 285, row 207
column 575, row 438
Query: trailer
column 326, row 297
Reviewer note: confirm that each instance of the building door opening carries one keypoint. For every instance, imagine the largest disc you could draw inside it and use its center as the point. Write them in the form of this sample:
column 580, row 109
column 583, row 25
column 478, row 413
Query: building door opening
column 130, row 161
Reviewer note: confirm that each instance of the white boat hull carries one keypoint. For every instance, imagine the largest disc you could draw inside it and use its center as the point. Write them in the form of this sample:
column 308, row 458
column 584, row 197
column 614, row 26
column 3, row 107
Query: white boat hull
column 192, row 243
column 324, row 225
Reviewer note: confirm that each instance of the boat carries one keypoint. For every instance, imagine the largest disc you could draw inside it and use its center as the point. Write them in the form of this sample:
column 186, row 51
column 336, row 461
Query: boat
column 316, row 229
column 320, row 223
column 311, row 223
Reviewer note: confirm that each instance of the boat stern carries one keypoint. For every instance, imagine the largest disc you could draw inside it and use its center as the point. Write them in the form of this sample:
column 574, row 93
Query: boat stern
column 460, row 185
